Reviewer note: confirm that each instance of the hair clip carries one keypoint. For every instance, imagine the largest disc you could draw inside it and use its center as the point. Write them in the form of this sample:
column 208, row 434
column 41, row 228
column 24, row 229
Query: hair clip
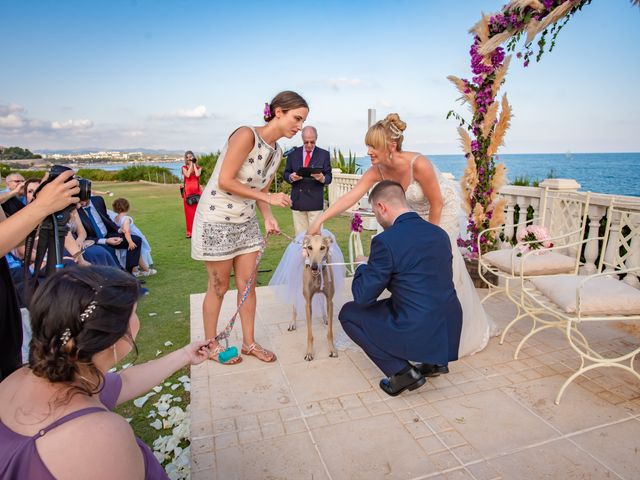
column 267, row 111
column 66, row 335
column 397, row 133
column 88, row 311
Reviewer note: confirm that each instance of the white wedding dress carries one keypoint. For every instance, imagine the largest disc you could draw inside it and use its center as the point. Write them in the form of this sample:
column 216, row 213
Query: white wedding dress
column 477, row 326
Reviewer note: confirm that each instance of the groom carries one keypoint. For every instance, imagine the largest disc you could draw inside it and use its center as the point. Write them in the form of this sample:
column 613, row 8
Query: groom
column 422, row 320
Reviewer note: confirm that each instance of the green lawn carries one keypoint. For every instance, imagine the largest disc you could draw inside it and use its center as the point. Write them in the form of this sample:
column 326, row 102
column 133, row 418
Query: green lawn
column 158, row 212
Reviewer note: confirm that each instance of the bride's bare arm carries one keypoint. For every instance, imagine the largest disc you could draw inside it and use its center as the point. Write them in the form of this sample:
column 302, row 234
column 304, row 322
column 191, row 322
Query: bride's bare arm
column 368, row 180
column 425, row 175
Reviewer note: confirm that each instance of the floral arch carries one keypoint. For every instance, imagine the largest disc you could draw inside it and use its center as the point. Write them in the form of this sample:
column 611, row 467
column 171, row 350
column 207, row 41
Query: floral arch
column 484, row 134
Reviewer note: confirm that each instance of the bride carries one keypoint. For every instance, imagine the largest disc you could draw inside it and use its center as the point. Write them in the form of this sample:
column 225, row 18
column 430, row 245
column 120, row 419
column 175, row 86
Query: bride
column 435, row 199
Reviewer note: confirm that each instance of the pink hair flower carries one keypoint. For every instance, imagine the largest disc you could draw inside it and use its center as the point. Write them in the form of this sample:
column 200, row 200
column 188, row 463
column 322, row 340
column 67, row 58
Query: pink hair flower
column 267, row 111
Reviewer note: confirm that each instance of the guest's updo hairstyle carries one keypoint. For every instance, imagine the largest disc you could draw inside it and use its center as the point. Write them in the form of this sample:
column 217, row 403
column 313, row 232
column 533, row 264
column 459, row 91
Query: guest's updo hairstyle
column 286, row 100
column 384, row 131
column 76, row 313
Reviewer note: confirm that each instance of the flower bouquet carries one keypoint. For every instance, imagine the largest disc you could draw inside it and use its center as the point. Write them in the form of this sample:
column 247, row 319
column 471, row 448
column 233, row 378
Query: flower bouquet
column 533, row 238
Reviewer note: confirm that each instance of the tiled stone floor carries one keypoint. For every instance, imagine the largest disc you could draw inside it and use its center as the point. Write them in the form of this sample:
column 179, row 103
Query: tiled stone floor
column 492, row 417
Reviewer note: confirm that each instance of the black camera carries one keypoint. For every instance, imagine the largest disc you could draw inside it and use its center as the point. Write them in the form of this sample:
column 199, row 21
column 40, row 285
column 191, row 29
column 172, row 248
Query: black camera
column 53, row 228
column 84, row 195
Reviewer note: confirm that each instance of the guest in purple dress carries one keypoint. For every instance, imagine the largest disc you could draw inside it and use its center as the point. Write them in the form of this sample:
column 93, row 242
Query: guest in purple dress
column 55, row 413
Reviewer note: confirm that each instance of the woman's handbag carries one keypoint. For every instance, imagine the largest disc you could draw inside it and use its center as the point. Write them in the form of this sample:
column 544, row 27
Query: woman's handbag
column 193, row 199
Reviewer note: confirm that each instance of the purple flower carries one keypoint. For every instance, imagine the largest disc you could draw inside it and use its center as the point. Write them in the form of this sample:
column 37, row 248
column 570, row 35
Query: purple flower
column 356, row 223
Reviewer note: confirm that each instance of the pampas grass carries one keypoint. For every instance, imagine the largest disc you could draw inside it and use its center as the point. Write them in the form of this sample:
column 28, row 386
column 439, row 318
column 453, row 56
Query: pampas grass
column 501, row 128
column 465, row 140
column 489, row 118
column 481, row 29
column 468, row 183
column 522, row 4
column 497, row 217
column 500, row 74
column 466, row 97
column 556, row 14
column 478, row 215
column 494, row 42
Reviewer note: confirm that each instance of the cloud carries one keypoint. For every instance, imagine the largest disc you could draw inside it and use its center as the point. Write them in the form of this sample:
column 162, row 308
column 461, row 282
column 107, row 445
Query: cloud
column 14, row 119
column 72, row 125
column 196, row 113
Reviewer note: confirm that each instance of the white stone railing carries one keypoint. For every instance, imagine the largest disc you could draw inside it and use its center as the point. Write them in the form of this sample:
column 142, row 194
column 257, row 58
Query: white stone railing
column 532, row 198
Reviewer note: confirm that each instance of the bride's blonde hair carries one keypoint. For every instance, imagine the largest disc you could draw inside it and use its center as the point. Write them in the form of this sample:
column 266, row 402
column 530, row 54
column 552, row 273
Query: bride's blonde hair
column 384, row 131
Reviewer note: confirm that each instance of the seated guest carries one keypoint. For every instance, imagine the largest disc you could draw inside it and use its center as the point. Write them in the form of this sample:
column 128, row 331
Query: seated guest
column 12, row 197
column 100, row 228
column 55, row 412
column 422, row 320
column 88, row 251
column 122, row 218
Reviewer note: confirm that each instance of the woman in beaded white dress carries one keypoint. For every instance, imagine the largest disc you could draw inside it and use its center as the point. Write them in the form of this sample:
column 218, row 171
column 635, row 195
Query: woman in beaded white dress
column 435, row 199
column 226, row 233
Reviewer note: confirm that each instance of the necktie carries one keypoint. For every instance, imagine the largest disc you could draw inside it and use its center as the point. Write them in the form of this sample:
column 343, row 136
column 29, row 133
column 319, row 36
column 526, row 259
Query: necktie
column 93, row 222
column 307, row 159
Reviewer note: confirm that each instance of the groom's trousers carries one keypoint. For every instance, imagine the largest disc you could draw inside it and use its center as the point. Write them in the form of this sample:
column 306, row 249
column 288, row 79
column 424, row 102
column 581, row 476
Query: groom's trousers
column 351, row 317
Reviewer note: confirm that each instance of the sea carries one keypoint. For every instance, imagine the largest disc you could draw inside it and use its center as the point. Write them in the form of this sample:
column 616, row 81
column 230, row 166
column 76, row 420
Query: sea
column 613, row 173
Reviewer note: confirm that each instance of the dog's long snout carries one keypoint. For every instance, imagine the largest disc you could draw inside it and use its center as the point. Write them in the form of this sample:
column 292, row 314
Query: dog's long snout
column 314, row 266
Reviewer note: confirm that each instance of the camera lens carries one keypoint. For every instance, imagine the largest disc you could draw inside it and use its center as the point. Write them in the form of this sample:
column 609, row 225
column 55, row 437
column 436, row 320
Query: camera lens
column 85, row 189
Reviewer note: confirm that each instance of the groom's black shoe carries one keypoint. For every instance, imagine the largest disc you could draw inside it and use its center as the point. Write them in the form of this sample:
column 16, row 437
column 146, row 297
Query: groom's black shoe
column 430, row 369
column 408, row 378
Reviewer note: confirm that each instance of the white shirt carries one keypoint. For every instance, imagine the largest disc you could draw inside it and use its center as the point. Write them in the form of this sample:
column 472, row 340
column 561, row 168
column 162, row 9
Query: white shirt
column 96, row 216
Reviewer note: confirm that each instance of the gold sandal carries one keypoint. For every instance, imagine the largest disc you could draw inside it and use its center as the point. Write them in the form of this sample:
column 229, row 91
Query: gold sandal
column 259, row 352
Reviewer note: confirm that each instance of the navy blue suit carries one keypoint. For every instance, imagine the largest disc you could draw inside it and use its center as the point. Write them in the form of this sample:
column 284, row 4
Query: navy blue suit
column 133, row 256
column 422, row 319
column 307, row 195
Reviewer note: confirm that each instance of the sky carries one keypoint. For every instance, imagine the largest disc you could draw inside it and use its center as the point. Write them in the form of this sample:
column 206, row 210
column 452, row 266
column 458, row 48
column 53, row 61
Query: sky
column 184, row 74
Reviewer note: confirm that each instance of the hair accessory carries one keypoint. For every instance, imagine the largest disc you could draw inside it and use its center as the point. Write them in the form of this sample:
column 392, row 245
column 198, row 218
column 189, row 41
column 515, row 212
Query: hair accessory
column 88, row 311
column 267, row 111
column 66, row 335
column 396, row 132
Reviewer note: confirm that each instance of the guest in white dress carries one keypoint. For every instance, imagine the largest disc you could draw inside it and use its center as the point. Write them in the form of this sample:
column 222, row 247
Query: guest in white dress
column 226, row 234
column 435, row 199
column 127, row 227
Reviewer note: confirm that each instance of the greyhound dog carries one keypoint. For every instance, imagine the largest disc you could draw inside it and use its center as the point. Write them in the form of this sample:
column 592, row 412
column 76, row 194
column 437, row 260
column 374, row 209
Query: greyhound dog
column 317, row 277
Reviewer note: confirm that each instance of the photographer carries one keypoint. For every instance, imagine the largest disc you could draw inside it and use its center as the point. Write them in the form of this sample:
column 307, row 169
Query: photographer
column 192, row 189
column 56, row 196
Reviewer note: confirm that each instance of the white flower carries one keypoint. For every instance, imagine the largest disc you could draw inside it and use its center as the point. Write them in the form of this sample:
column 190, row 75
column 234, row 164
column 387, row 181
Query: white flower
column 177, row 312
column 152, row 314
column 168, row 343
column 184, row 379
column 158, row 352
column 139, row 402
column 157, row 424
column 175, row 386
column 126, row 365
column 152, row 414
column 157, row 389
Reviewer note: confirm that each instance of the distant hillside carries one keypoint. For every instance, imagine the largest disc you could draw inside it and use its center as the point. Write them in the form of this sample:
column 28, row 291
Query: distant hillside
column 80, row 151
column 16, row 153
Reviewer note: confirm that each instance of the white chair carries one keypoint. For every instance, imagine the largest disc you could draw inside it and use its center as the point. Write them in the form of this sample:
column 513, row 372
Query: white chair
column 564, row 214
column 566, row 301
